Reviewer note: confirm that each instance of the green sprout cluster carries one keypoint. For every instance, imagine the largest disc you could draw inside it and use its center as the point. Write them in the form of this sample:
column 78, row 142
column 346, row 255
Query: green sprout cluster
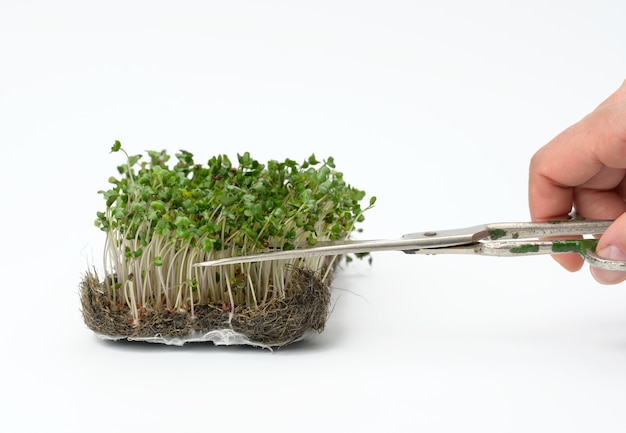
column 161, row 219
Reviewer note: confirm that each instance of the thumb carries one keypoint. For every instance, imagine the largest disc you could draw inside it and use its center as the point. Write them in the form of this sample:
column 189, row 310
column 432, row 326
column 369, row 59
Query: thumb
column 612, row 245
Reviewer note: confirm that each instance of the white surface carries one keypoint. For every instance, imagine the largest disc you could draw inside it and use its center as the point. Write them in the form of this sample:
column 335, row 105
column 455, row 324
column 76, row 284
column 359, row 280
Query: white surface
column 434, row 108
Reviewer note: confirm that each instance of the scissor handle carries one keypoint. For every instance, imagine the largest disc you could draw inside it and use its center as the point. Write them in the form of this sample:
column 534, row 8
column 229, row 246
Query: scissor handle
column 599, row 262
column 524, row 230
column 527, row 239
column 585, row 247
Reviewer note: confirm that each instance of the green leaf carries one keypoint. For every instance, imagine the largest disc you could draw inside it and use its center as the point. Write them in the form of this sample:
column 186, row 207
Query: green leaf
column 228, row 200
column 185, row 158
column 182, row 222
column 157, row 205
column 116, row 146
column 139, row 206
column 323, row 173
column 132, row 160
column 244, row 160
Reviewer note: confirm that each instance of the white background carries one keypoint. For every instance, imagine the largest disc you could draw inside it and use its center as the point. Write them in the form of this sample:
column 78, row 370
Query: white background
column 434, row 107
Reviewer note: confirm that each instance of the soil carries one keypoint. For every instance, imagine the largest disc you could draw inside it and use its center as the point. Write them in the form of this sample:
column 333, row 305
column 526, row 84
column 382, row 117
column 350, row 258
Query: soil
column 275, row 323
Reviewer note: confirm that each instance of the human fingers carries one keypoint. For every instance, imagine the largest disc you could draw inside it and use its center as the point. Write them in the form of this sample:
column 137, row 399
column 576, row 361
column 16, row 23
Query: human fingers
column 582, row 167
column 576, row 157
column 577, row 154
column 612, row 245
column 604, row 200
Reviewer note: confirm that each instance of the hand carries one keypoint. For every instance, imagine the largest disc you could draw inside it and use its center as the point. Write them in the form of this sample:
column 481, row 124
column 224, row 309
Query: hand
column 584, row 168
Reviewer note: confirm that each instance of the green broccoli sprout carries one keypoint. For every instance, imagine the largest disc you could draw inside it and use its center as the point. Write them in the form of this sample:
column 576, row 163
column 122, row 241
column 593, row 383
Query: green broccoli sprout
column 162, row 215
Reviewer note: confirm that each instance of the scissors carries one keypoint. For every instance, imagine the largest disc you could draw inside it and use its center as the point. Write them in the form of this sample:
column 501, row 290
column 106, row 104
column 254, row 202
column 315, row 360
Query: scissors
column 495, row 239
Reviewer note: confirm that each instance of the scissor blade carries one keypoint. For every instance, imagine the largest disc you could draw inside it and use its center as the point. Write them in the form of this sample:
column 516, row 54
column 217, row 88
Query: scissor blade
column 408, row 243
column 327, row 249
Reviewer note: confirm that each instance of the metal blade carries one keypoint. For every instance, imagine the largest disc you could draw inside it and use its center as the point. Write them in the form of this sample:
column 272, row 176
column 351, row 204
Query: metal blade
column 408, row 243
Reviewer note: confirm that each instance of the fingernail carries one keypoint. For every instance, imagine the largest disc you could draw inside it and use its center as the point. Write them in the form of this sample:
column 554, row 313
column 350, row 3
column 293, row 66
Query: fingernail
column 604, row 276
